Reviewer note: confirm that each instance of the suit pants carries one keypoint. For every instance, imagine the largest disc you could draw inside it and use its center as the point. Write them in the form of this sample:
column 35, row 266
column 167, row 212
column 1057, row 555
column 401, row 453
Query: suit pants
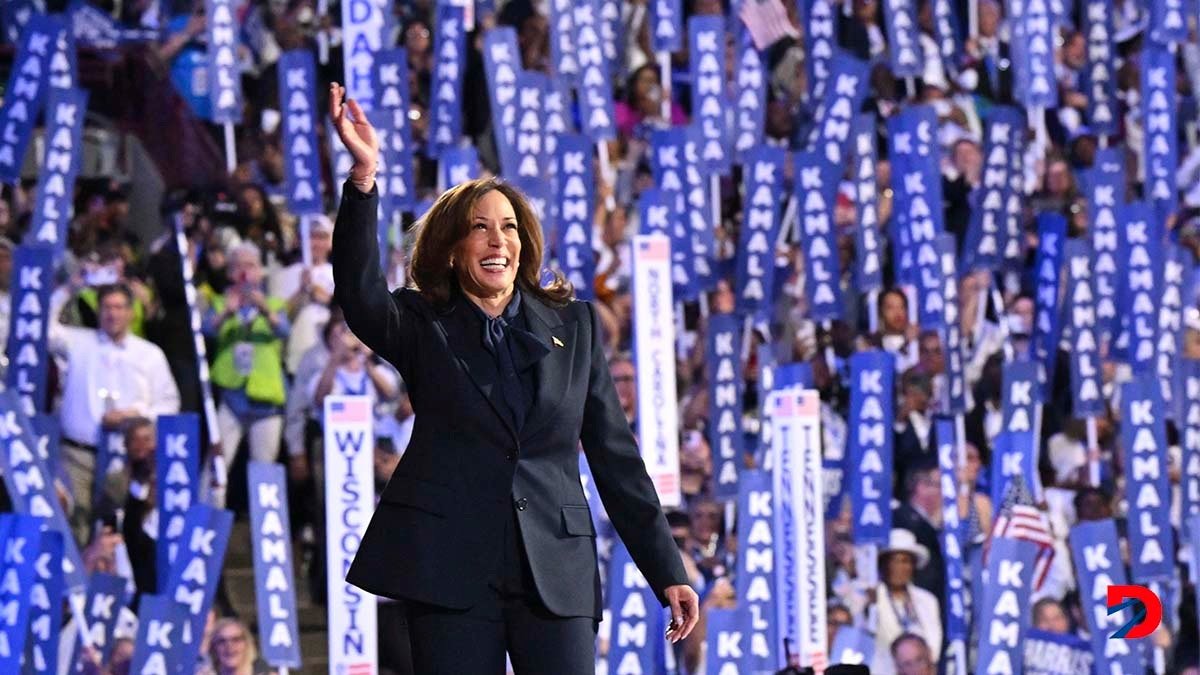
column 510, row 617
column 457, row 642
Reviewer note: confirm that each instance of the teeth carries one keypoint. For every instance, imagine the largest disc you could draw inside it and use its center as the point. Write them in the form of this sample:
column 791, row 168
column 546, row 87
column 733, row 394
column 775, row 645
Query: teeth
column 495, row 262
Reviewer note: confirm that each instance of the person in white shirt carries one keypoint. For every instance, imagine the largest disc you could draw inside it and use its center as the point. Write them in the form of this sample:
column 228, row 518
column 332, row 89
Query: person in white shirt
column 352, row 370
column 900, row 606
column 308, row 291
column 111, row 376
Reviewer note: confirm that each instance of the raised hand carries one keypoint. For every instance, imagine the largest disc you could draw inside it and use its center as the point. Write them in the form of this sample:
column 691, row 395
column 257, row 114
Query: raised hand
column 355, row 130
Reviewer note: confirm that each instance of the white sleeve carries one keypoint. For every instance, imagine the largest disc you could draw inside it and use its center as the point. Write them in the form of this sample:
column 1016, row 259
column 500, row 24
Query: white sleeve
column 165, row 391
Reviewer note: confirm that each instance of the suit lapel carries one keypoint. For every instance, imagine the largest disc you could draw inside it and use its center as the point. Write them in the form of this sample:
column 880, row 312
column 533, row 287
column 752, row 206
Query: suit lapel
column 463, row 334
column 553, row 372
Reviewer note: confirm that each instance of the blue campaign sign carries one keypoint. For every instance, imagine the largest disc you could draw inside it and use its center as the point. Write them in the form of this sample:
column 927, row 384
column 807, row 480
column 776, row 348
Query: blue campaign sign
column 595, row 78
column 1099, row 78
column 14, row 16
column 177, row 465
column 724, row 357
column 21, row 545
column 916, row 177
column 1052, row 233
column 564, row 65
column 656, row 212
column 820, row 23
column 726, row 642
column 54, row 206
column 576, row 193
column 852, row 646
column 1160, row 111
column 224, row 76
column 161, row 623
column 302, row 158
column 196, row 571
column 25, row 93
column 1033, row 54
column 816, row 189
column 1140, row 241
column 984, row 245
column 952, row 540
column 697, row 198
column 755, row 569
column 872, row 413
column 1021, row 397
column 1190, row 436
column 706, row 55
column 848, row 86
column 502, row 63
column 1087, row 399
column 106, row 596
column 458, row 165
column 270, row 533
column 28, row 361
column 951, row 329
column 1049, row 653
column 946, row 32
column 529, row 154
column 1178, row 264
column 750, row 97
column 868, row 267
column 1096, row 553
column 666, row 25
column 390, row 84
column 45, row 614
column 636, row 643
column 111, row 459
column 31, row 485
column 668, row 159
column 47, row 435
column 612, row 36
column 449, row 51
column 531, row 162
column 1169, row 21
column 1144, row 441
column 1005, row 605
column 1106, row 197
column 904, row 53
column 1014, row 243
column 763, row 175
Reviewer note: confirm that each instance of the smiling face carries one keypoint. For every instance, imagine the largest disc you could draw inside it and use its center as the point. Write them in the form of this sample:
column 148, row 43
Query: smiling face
column 487, row 259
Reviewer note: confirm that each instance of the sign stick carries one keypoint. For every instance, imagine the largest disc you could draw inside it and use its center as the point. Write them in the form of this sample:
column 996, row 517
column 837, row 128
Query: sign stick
column 1093, row 452
column 664, row 77
column 606, row 170
column 230, row 149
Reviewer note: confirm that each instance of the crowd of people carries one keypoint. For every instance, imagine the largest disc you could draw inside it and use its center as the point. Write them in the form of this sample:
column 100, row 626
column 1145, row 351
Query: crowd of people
column 277, row 346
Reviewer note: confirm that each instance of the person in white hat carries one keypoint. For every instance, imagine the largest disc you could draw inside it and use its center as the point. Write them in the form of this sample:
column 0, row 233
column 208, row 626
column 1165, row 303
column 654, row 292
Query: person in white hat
column 901, row 607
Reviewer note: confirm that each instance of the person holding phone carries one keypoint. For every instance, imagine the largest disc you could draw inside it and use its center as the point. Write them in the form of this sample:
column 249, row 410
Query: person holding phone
column 249, row 328
column 484, row 529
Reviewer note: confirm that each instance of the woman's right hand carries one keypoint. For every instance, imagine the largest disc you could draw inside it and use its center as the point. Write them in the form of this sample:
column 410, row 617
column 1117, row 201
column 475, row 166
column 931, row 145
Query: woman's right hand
column 355, row 130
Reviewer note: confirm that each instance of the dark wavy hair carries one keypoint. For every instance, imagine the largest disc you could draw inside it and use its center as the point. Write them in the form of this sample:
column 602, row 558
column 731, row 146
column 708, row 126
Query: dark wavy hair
column 441, row 230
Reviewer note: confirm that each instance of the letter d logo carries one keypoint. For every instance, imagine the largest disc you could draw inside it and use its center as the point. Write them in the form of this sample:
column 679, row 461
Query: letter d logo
column 1147, row 613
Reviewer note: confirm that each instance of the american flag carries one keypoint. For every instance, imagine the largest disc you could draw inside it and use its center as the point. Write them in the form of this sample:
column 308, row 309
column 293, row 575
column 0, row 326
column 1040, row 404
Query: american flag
column 349, row 411
column 655, row 248
column 767, row 21
column 1019, row 518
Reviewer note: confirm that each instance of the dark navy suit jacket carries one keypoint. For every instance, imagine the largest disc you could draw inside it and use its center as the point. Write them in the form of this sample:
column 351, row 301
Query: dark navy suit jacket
column 436, row 533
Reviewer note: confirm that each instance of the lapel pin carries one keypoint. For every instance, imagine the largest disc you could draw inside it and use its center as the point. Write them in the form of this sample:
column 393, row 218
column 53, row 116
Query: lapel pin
column 557, row 342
